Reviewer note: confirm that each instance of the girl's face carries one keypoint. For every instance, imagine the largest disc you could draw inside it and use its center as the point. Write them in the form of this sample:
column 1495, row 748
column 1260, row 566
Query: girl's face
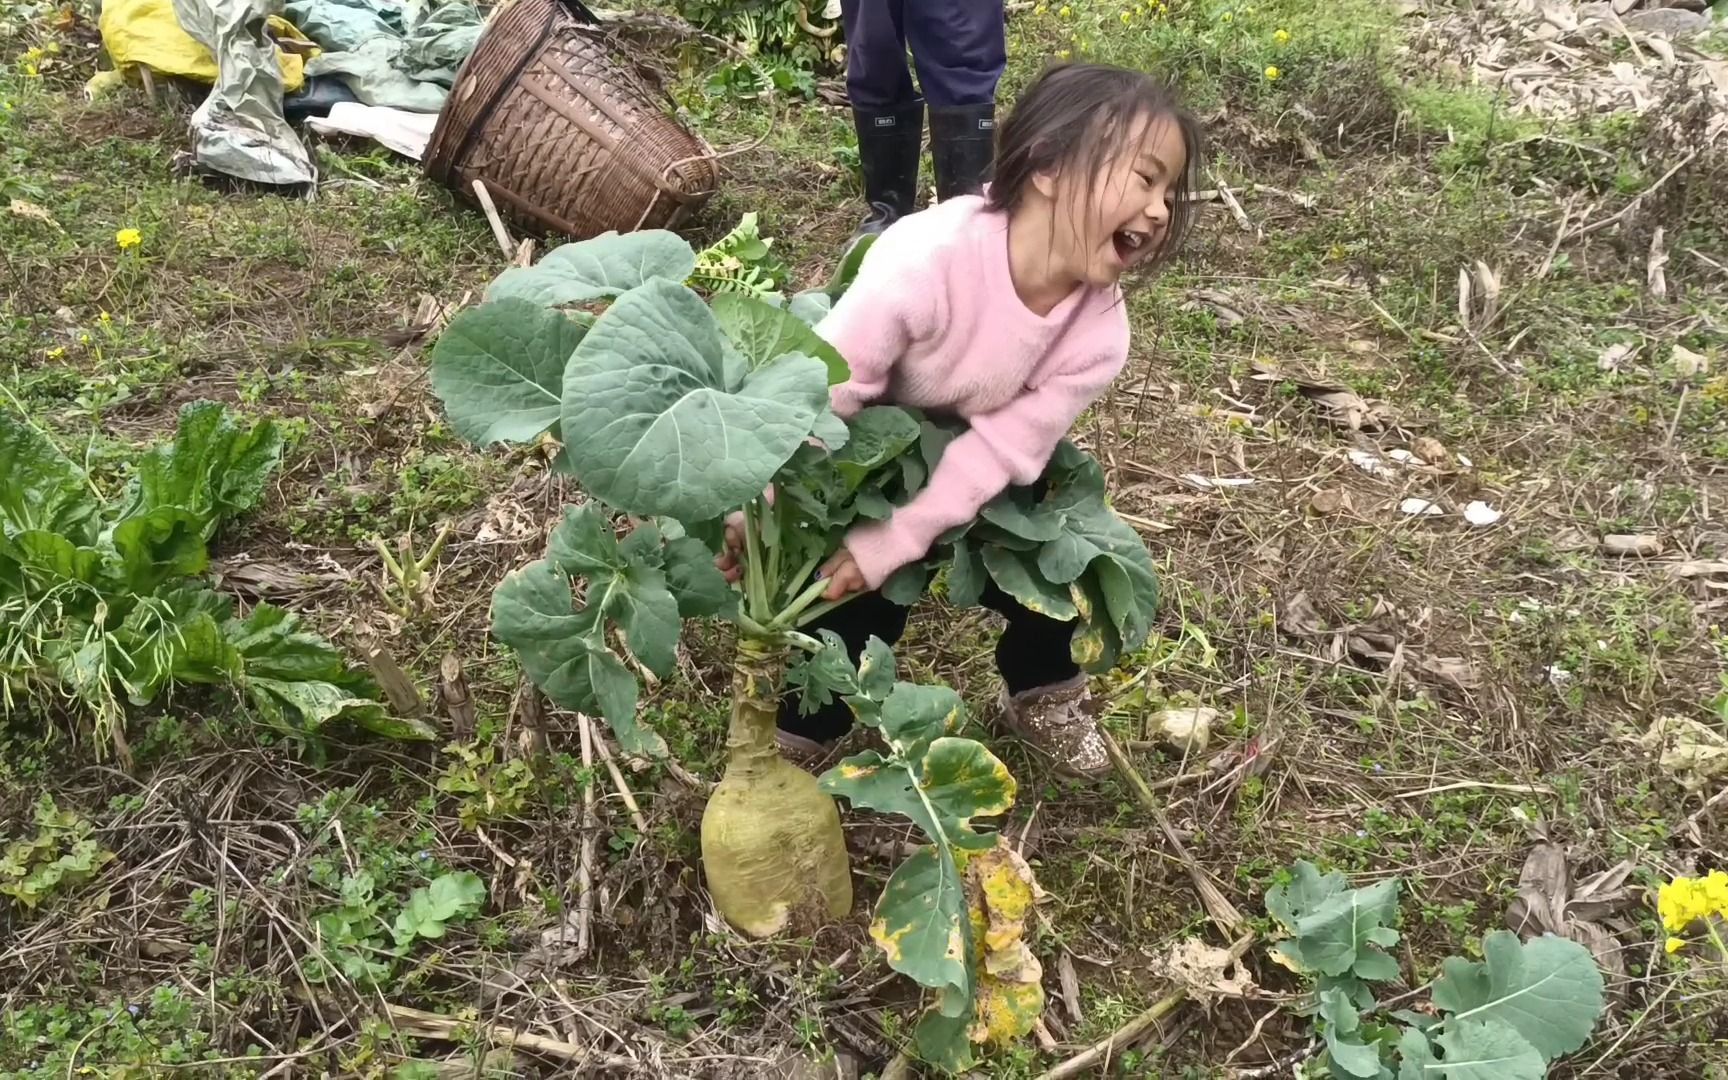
column 1107, row 223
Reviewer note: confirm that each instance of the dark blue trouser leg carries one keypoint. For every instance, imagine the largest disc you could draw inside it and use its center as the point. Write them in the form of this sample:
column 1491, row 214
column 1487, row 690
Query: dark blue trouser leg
column 960, row 47
column 877, row 79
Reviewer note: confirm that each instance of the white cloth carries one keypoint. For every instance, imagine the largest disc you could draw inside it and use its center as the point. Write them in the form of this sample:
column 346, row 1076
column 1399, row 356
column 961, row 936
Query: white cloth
column 405, row 132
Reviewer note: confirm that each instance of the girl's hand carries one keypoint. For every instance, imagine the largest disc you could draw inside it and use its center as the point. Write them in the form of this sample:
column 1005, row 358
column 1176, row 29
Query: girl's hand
column 731, row 561
column 842, row 574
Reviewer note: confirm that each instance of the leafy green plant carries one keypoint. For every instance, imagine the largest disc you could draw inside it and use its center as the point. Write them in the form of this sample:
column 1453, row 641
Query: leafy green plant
column 143, row 1032
column 925, row 919
column 61, row 854
column 102, row 602
column 681, row 413
column 487, row 789
column 742, row 261
column 409, row 574
column 783, row 42
column 358, row 942
column 1506, row 1017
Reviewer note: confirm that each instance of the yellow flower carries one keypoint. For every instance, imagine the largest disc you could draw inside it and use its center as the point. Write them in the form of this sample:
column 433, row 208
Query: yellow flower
column 56, row 352
column 31, row 72
column 128, row 239
column 1041, row 9
column 1716, row 891
column 1063, row 54
column 1227, row 16
column 1685, row 900
column 105, row 319
column 1273, row 73
column 1674, row 945
column 1065, row 11
column 1281, row 37
column 1127, row 17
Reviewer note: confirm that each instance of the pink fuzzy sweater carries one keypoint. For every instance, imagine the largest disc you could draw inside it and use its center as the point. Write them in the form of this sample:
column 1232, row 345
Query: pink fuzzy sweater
column 933, row 322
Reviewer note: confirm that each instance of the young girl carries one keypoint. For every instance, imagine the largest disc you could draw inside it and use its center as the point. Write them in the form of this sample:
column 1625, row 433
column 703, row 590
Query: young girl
column 1007, row 311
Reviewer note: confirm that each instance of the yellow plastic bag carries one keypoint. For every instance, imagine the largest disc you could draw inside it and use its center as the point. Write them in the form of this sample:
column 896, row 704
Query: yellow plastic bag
column 146, row 32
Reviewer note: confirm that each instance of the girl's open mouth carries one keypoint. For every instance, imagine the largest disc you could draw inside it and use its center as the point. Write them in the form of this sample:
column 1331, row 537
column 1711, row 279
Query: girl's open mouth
column 1130, row 245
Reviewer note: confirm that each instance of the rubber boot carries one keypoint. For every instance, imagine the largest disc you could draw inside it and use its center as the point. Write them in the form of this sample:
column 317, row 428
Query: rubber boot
column 889, row 146
column 963, row 144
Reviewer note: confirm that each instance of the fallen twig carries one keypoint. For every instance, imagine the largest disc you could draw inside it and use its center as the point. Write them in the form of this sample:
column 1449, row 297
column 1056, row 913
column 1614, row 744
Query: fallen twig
column 503, row 856
column 418, row 1024
column 1620, row 215
column 1236, row 210
column 1172, row 781
column 617, row 775
column 1477, row 785
column 1554, row 248
column 1679, row 408
column 1286, row 1064
column 1218, row 907
column 1306, row 202
column 685, row 776
column 590, row 837
column 1100, row 1052
column 1698, row 816
column 499, row 232
column 1070, row 981
column 1253, row 1036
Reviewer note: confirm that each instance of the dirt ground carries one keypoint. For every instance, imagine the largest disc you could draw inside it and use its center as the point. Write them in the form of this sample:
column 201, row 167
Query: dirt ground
column 1446, row 346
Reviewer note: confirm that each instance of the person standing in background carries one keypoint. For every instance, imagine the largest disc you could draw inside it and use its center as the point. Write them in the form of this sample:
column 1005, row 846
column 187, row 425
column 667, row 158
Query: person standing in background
column 959, row 48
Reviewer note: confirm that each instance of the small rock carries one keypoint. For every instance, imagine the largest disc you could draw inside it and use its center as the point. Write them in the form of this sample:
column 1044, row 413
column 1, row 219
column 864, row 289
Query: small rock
column 1431, row 451
column 1688, row 363
column 1369, row 463
column 1627, row 545
column 1480, row 513
column 1187, row 730
column 1420, row 508
column 1674, row 22
column 1614, row 356
column 1559, row 678
column 1331, row 501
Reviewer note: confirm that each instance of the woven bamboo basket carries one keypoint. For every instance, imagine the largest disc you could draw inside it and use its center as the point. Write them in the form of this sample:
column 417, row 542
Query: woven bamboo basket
column 566, row 138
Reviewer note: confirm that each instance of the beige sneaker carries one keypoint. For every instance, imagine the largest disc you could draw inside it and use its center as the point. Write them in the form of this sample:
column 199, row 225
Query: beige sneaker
column 1058, row 721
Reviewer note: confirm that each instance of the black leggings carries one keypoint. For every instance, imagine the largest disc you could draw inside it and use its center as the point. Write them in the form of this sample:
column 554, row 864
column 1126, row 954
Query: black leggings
column 1032, row 652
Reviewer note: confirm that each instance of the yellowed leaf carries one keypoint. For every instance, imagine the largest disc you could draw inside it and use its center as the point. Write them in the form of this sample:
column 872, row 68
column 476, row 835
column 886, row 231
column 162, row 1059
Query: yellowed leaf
column 23, row 208
column 1009, row 991
column 1207, row 971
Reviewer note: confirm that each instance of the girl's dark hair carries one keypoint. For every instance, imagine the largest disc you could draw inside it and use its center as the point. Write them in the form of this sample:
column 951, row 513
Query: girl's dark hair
column 1074, row 120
